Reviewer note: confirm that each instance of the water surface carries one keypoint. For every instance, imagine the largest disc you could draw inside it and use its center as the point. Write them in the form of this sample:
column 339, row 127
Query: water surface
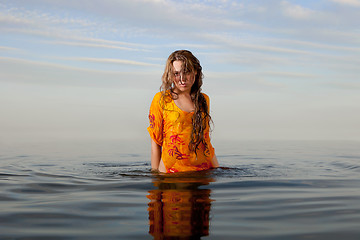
column 105, row 190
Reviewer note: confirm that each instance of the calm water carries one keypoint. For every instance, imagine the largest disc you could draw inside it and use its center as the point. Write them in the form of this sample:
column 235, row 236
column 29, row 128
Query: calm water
column 104, row 190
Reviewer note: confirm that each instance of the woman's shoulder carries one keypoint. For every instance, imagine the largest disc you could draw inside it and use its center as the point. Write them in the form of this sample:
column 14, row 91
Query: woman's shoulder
column 205, row 95
column 156, row 99
column 162, row 94
column 162, row 98
column 158, row 95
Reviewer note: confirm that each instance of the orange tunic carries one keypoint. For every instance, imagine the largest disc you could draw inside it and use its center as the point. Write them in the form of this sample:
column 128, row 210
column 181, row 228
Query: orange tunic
column 170, row 127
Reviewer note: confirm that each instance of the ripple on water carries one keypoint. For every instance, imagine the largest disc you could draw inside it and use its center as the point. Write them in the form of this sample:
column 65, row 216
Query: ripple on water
column 297, row 195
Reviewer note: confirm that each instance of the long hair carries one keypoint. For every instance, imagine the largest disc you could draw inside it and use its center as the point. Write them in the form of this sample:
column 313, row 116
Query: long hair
column 201, row 117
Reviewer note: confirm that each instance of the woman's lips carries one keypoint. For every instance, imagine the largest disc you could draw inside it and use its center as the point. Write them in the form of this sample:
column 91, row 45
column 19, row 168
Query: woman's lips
column 182, row 84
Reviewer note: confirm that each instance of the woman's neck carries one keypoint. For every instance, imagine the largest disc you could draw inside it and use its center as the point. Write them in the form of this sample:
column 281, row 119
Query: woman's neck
column 181, row 93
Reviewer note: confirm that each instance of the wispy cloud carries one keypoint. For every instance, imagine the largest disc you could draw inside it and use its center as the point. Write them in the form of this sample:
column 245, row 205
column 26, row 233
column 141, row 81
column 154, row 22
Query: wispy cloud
column 57, row 26
column 114, row 61
column 13, row 60
column 296, row 11
column 70, row 67
column 29, row 72
column 4, row 48
column 354, row 3
column 291, row 75
column 22, row 17
column 77, row 40
column 238, row 43
column 312, row 45
column 94, row 45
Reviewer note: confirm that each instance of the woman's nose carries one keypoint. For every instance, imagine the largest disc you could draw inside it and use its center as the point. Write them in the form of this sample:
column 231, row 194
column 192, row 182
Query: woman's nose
column 182, row 77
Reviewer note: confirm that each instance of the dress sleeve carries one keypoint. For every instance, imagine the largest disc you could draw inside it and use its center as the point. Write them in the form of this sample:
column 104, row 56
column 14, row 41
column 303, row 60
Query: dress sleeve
column 155, row 128
column 207, row 101
column 210, row 149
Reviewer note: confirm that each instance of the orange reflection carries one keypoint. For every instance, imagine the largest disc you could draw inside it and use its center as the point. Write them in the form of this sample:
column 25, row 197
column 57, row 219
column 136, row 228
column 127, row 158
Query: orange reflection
column 178, row 208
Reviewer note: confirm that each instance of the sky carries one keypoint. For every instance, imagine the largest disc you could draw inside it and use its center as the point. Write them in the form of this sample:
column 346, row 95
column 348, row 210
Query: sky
column 88, row 69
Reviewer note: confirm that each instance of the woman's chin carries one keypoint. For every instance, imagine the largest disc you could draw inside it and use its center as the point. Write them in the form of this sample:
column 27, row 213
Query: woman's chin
column 183, row 89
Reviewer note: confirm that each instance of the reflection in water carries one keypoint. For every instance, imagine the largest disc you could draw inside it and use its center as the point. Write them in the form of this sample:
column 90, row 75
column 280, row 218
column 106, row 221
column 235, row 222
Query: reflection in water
column 178, row 208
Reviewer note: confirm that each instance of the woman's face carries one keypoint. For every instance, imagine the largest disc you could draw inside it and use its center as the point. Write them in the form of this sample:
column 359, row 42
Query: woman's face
column 183, row 80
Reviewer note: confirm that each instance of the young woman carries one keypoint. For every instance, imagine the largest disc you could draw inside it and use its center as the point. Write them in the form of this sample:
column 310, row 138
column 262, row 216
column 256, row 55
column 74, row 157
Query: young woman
column 179, row 119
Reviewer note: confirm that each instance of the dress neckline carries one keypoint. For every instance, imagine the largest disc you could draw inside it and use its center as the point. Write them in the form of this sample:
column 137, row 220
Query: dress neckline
column 181, row 109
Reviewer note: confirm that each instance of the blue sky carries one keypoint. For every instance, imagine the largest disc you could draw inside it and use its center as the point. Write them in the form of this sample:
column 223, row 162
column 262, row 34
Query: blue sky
column 89, row 69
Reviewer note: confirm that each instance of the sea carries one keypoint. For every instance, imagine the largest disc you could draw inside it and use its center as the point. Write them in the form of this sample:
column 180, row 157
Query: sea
column 104, row 189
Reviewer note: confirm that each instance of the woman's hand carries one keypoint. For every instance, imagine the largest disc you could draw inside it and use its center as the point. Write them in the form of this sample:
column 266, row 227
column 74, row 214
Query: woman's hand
column 214, row 162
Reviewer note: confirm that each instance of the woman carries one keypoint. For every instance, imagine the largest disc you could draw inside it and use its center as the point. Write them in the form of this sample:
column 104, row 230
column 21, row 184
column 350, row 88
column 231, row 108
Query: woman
column 179, row 118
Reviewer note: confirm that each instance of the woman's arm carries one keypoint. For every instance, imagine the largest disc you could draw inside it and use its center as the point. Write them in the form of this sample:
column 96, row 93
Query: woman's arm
column 214, row 162
column 155, row 155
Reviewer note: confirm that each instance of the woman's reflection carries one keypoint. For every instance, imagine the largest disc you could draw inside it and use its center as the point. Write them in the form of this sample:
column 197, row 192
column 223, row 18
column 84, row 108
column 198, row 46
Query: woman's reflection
column 178, row 208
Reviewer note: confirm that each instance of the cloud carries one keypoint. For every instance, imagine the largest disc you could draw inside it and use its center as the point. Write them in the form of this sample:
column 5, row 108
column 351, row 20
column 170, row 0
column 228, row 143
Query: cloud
column 22, row 71
column 234, row 83
column 22, row 17
column 76, row 31
column 296, row 11
column 94, row 45
column 30, row 63
column 184, row 20
column 80, row 41
column 267, row 59
column 313, row 45
column 9, row 19
column 152, row 17
column 4, row 48
column 236, row 43
column 115, row 61
column 354, row 3
column 290, row 75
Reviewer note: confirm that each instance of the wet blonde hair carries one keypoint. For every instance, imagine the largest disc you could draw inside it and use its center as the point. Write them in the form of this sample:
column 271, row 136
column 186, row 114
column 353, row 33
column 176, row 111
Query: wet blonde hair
column 201, row 117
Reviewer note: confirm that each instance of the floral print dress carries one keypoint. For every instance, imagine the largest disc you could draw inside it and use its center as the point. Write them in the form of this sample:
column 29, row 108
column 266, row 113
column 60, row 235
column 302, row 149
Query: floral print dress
column 170, row 127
